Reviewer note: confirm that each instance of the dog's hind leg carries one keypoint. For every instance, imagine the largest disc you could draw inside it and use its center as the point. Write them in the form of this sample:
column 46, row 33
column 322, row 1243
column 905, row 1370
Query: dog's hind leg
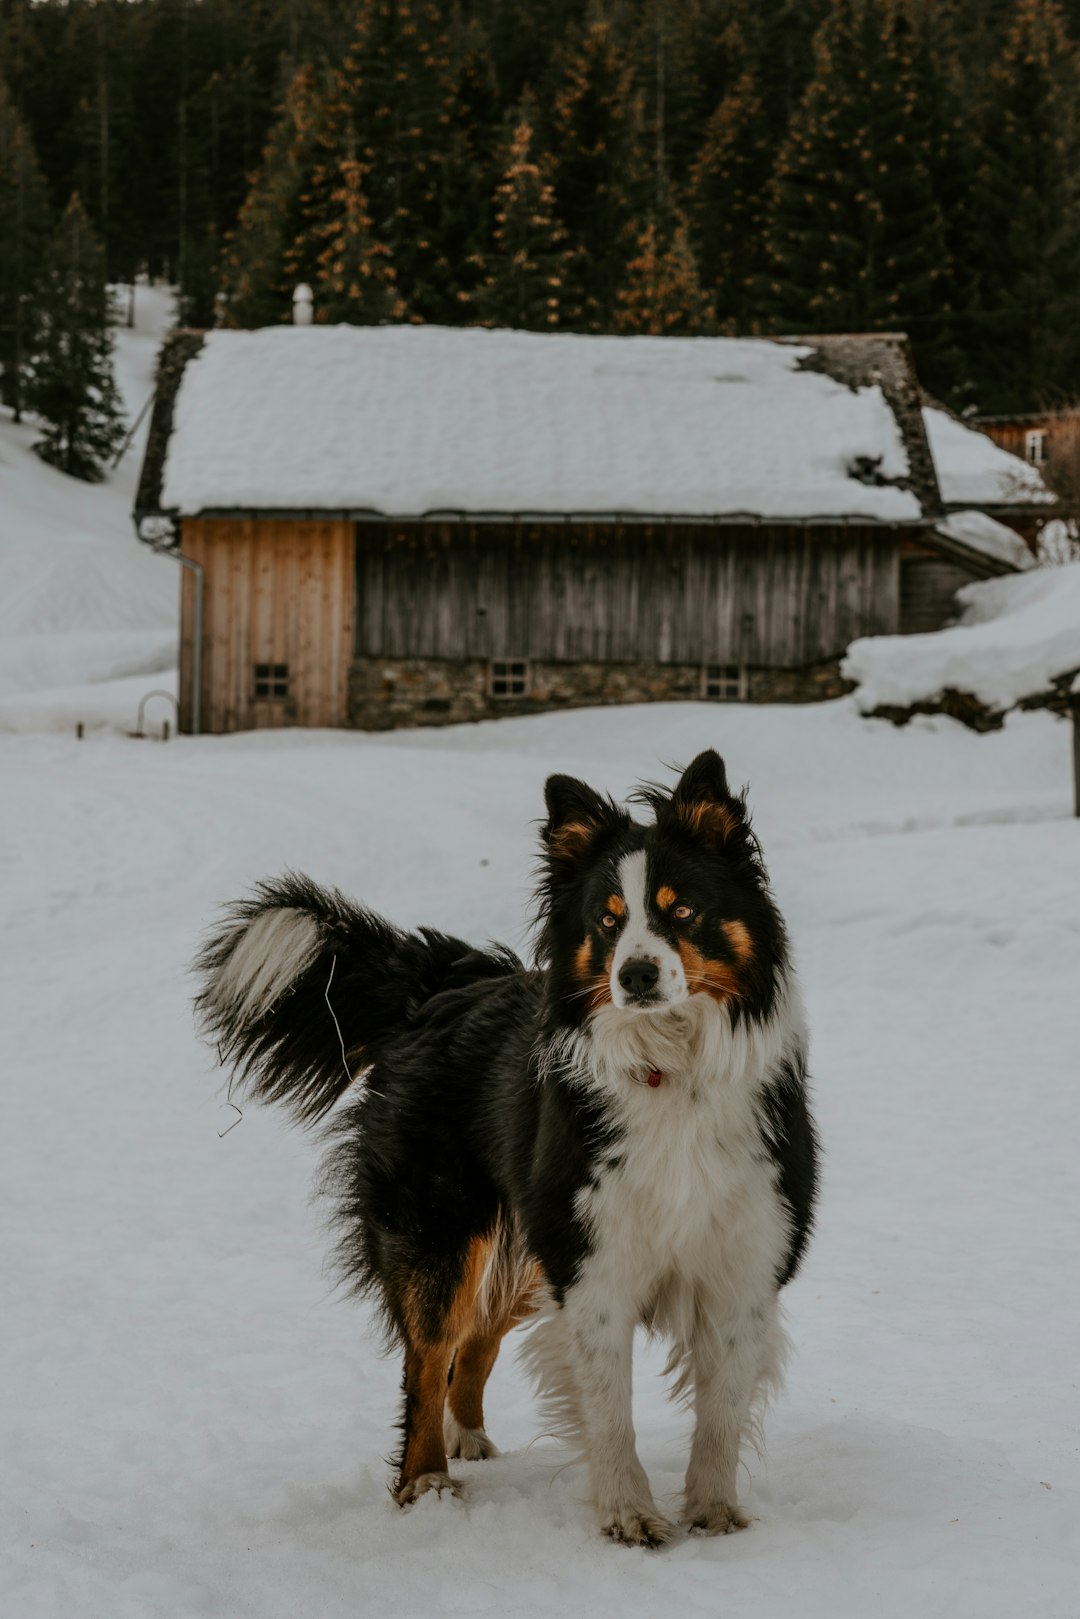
column 435, row 1320
column 507, row 1296
column 423, row 1460
column 464, row 1424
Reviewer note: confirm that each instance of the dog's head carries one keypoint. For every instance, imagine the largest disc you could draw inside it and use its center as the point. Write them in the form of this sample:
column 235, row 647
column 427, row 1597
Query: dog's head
column 643, row 917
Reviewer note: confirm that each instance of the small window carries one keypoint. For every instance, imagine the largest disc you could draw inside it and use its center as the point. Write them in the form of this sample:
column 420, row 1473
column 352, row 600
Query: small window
column 723, row 683
column 272, row 680
column 1035, row 446
column 509, row 677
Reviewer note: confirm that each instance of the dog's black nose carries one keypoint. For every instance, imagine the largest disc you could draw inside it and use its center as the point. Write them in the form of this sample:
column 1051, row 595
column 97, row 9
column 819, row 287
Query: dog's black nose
column 639, row 977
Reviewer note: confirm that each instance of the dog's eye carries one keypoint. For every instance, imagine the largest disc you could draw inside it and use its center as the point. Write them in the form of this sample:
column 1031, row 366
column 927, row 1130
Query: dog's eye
column 683, row 913
column 608, row 921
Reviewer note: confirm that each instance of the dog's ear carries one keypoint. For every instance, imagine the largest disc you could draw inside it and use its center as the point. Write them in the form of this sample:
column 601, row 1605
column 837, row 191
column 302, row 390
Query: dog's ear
column 704, row 804
column 577, row 817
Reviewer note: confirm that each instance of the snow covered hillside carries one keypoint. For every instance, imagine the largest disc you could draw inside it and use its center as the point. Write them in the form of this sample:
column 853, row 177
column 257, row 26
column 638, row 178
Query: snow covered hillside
column 80, row 600
column 195, row 1426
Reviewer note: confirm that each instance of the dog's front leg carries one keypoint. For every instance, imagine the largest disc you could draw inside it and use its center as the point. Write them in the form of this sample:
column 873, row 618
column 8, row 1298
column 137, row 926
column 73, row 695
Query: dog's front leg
column 728, row 1361
column 601, row 1338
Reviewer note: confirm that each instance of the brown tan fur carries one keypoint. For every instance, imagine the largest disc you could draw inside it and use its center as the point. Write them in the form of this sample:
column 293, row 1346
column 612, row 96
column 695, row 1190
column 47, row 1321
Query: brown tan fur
column 713, row 822
column 477, row 1355
column 738, row 937
column 596, row 983
column 715, row 978
column 473, row 1328
column 665, row 898
column 427, row 1367
column 569, row 842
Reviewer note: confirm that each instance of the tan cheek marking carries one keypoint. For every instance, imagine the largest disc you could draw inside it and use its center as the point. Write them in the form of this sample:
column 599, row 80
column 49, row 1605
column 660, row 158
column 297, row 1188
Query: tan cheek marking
column 616, row 905
column 713, row 978
column 598, row 983
column 738, row 937
column 665, row 897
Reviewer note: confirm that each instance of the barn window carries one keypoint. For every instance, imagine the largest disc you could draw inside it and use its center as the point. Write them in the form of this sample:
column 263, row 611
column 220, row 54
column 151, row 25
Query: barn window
column 272, row 680
column 723, row 682
column 509, row 677
column 1035, row 446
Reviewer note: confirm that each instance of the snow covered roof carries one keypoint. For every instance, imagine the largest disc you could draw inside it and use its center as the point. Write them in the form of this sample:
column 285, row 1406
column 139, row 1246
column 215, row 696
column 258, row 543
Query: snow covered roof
column 996, row 542
column 1019, row 635
column 415, row 421
column 974, row 471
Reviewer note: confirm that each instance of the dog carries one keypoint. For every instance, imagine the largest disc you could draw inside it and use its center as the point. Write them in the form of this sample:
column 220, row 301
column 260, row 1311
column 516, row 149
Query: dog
column 618, row 1136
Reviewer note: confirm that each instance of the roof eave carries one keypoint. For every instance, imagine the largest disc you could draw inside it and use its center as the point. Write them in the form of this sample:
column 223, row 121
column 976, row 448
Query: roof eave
column 367, row 514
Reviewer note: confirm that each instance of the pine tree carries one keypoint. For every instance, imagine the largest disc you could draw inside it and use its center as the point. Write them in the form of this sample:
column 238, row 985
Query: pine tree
column 1028, row 214
column 356, row 281
column 269, row 252
column 727, row 193
column 469, row 173
column 598, row 173
column 70, row 382
column 526, row 281
column 661, row 292
column 24, row 226
column 390, row 111
column 855, row 236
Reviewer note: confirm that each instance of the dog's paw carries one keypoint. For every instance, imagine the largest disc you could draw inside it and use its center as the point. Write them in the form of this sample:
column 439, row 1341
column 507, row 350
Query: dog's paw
column 406, row 1491
column 469, row 1444
column 715, row 1518
column 636, row 1526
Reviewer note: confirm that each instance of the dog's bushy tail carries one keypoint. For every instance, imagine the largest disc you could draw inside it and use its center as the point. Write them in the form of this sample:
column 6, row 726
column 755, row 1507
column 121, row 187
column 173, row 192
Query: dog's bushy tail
column 301, row 988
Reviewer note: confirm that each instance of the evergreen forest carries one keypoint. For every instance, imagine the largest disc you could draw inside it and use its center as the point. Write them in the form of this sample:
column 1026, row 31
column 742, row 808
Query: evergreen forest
column 664, row 166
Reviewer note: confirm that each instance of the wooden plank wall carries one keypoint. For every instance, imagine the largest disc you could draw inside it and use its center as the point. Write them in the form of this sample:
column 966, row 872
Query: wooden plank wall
column 928, row 586
column 777, row 595
column 276, row 591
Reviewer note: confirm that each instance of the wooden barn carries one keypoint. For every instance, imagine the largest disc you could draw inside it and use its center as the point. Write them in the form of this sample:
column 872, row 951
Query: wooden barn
column 391, row 526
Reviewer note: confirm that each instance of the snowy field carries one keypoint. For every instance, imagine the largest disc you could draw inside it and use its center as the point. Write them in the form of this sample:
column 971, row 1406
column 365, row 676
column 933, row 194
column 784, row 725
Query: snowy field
column 196, row 1427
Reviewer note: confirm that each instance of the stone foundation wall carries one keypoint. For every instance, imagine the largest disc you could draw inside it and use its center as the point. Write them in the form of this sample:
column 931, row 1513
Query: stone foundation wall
column 391, row 693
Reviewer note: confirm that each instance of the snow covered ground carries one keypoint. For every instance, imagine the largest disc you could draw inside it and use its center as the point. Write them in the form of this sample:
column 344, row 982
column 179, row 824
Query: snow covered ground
column 195, row 1426
column 81, row 600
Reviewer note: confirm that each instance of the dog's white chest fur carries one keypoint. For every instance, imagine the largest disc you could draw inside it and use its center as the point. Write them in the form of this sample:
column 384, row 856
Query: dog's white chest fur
column 684, row 1213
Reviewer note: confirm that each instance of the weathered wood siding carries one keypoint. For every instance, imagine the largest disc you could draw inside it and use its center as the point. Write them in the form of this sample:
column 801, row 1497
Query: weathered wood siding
column 928, row 586
column 276, row 592
column 777, row 596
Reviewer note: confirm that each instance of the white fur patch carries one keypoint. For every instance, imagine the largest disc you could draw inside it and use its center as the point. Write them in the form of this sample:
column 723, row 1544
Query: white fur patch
column 638, row 941
column 270, row 953
column 689, row 1233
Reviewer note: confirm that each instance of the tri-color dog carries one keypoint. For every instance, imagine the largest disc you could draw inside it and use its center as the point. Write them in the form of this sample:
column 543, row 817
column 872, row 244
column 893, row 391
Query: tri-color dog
column 617, row 1137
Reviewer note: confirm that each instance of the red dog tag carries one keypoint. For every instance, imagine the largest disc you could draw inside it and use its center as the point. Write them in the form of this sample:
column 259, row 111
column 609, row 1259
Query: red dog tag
column 655, row 1076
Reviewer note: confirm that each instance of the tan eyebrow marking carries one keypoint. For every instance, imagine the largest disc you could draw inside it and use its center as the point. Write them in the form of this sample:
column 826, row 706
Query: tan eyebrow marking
column 616, row 905
column 665, row 897
column 738, row 937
